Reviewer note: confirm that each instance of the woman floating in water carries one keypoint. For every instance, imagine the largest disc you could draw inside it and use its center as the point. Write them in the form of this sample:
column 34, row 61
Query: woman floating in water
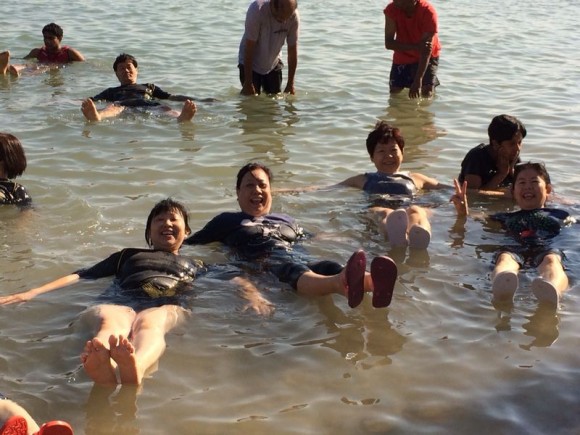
column 154, row 289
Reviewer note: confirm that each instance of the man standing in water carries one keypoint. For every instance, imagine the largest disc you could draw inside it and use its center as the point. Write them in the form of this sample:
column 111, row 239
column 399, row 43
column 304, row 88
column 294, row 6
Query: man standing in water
column 269, row 24
column 411, row 32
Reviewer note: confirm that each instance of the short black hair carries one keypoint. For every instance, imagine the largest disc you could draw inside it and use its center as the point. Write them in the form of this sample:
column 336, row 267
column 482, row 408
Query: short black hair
column 381, row 134
column 539, row 167
column 124, row 57
column 12, row 155
column 54, row 30
column 503, row 127
column 252, row 167
column 163, row 206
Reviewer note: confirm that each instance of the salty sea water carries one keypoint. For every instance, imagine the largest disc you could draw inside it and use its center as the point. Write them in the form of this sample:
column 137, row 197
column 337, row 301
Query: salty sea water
column 440, row 359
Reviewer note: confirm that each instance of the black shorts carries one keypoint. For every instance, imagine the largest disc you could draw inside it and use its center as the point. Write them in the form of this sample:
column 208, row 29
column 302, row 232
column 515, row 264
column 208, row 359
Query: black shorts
column 403, row 75
column 271, row 83
column 528, row 257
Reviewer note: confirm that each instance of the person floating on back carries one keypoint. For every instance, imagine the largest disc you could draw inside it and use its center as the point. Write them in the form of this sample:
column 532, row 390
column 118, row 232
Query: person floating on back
column 411, row 32
column 132, row 94
column 534, row 228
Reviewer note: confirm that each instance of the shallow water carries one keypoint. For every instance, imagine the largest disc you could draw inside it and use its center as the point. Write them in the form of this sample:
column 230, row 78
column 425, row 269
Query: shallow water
column 441, row 359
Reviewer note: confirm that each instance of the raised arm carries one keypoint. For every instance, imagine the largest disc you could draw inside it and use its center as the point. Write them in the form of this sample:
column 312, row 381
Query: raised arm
column 32, row 293
column 459, row 199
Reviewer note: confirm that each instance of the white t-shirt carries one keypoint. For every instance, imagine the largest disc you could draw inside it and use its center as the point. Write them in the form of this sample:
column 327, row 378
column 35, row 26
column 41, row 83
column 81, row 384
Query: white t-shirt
column 269, row 35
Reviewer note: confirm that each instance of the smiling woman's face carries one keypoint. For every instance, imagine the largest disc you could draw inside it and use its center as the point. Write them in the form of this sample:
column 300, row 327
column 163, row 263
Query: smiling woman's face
column 254, row 193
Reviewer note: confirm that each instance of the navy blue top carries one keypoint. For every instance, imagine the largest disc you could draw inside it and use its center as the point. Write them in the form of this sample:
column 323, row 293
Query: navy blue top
column 395, row 184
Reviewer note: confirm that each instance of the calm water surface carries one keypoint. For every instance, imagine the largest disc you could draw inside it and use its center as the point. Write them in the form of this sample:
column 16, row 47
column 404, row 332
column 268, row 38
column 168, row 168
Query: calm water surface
column 441, row 359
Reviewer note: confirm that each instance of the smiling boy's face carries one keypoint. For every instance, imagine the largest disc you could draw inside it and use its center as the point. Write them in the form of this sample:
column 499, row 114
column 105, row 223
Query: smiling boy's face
column 530, row 190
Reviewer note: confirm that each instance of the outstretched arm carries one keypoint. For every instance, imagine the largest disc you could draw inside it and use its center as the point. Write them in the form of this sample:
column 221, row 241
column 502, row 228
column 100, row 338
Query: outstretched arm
column 32, row 293
column 256, row 301
column 292, row 64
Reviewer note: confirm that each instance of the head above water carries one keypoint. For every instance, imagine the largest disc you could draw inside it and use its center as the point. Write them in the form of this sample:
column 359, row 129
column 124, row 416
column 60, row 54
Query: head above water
column 250, row 167
column 282, row 10
column 382, row 132
column 165, row 206
column 53, row 30
column 531, row 185
column 538, row 167
column 12, row 157
column 124, row 57
column 504, row 127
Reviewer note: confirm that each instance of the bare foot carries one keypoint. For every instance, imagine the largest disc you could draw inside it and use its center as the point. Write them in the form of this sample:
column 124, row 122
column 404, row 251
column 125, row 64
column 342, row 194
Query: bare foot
column 90, row 110
column 123, row 353
column 187, row 112
column 4, row 62
column 96, row 360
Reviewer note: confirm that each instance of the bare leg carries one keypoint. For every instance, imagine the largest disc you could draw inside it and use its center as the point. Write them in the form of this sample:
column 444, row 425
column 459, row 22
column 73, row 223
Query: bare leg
column 380, row 214
column 187, row 112
column 4, row 62
column 419, row 227
column 123, row 353
column 313, row 284
column 553, row 281
column 97, row 363
column 107, row 320
column 148, row 337
column 505, row 277
column 92, row 114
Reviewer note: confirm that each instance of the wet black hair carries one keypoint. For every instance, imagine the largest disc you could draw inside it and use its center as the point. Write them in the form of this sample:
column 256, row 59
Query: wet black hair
column 54, row 30
column 503, row 127
column 124, row 57
column 163, row 206
column 539, row 167
column 252, row 167
column 12, row 155
column 381, row 134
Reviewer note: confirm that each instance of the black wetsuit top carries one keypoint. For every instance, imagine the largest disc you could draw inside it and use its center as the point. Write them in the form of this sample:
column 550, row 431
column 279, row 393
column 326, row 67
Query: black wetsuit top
column 13, row 193
column 479, row 161
column 534, row 225
column 134, row 95
column 146, row 272
column 268, row 239
column 250, row 236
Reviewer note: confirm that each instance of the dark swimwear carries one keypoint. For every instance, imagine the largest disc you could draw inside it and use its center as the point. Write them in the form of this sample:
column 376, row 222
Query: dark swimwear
column 263, row 243
column 394, row 184
column 13, row 193
column 533, row 229
column 148, row 276
column 134, row 95
column 479, row 161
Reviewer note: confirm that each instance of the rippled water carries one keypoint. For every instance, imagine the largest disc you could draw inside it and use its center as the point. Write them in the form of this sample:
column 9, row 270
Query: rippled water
column 441, row 359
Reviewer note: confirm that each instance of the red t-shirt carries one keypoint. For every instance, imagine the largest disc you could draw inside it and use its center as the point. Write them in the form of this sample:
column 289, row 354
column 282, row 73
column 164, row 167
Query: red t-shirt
column 411, row 30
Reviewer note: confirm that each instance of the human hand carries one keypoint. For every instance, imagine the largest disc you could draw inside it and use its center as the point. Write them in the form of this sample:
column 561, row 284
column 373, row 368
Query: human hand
column 415, row 89
column 16, row 297
column 459, row 199
column 248, row 89
column 261, row 306
column 290, row 89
